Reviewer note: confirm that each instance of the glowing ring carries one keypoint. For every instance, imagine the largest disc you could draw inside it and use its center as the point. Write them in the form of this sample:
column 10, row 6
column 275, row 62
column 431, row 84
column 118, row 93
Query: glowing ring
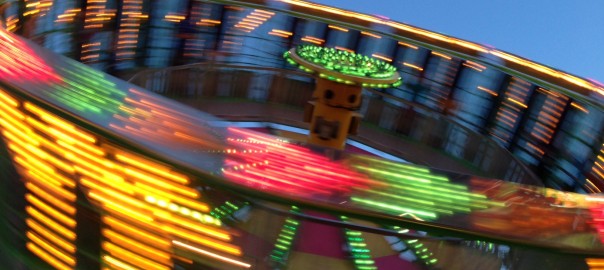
column 343, row 66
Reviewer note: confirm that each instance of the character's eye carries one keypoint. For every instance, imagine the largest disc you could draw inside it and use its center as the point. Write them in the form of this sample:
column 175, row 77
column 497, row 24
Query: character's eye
column 328, row 94
column 352, row 98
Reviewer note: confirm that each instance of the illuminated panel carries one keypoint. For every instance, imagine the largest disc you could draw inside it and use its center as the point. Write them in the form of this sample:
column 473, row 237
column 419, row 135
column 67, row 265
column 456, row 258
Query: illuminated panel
column 511, row 109
column 595, row 178
column 49, row 180
column 541, row 122
column 37, row 7
column 240, row 26
column 68, row 16
column 131, row 18
column 147, row 207
column 205, row 20
column 441, row 71
column 98, row 15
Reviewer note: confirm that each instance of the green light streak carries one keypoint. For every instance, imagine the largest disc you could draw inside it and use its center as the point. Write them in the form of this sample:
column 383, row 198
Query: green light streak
column 397, row 209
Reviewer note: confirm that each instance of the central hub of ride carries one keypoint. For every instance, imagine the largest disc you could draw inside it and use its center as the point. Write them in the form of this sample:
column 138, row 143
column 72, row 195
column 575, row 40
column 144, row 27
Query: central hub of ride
column 332, row 111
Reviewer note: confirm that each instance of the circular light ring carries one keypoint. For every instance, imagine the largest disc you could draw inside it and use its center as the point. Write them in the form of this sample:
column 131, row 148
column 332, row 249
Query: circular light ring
column 343, row 66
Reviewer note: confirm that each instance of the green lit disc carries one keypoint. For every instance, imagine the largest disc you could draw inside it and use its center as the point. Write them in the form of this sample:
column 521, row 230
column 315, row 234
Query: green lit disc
column 344, row 67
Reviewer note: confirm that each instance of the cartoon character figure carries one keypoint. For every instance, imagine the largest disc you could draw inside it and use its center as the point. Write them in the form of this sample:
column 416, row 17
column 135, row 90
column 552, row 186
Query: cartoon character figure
column 333, row 113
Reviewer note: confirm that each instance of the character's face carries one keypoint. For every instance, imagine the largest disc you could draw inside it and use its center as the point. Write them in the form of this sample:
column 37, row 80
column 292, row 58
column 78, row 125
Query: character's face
column 338, row 95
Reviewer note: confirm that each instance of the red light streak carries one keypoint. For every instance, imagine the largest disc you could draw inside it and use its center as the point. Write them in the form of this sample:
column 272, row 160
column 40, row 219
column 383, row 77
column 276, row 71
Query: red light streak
column 266, row 162
column 20, row 63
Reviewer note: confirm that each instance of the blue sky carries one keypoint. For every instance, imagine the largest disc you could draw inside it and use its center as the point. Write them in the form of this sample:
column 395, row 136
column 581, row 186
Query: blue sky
column 564, row 34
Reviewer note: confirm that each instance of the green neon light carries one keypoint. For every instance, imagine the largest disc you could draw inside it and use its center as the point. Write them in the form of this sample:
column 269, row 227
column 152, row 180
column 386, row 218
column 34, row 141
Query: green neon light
column 397, row 210
column 285, row 239
column 345, row 63
column 356, row 243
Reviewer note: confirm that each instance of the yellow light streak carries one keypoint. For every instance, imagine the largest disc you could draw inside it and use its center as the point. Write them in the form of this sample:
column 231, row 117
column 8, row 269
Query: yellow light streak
column 48, row 222
column 57, row 240
column 51, row 119
column 137, row 247
column 193, row 226
column 232, row 249
column 57, row 203
column 579, row 107
column 161, row 183
column 118, row 263
column 51, row 249
column 133, row 231
column 283, row 32
column 517, row 103
column 210, row 21
column 50, row 211
column 278, row 34
column 152, row 167
column 8, row 99
column 202, row 207
column 212, row 255
column 46, row 257
column 124, row 254
column 311, row 41
column 120, row 209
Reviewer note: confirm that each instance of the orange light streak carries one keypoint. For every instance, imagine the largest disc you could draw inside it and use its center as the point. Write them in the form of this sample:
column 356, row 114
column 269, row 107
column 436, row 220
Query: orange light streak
column 579, row 107
column 344, row 49
column 493, row 93
column 381, row 57
column 408, row 45
column 412, row 66
column 337, row 28
column 441, row 55
column 370, row 34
